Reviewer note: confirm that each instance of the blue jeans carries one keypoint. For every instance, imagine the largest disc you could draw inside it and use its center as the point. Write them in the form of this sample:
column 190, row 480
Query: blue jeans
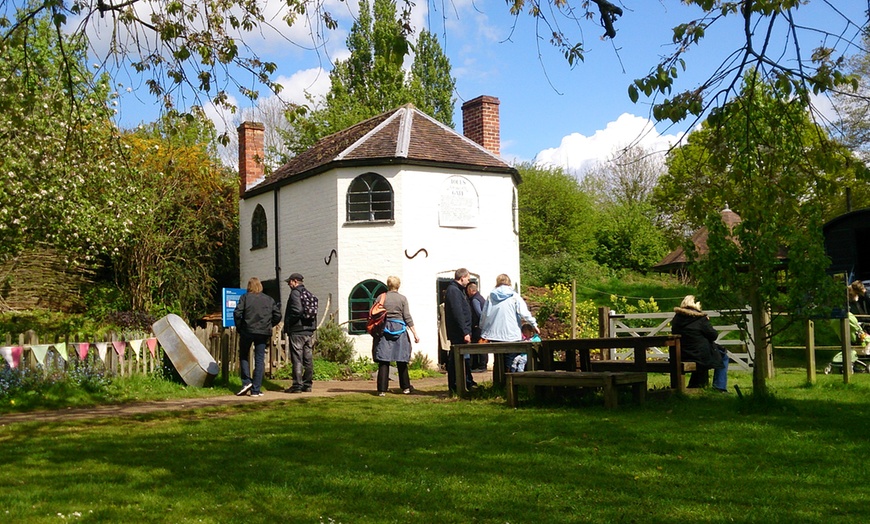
column 259, row 342
column 720, row 376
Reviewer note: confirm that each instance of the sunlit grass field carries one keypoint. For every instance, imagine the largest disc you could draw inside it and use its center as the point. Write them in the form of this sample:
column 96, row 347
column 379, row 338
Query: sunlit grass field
column 797, row 457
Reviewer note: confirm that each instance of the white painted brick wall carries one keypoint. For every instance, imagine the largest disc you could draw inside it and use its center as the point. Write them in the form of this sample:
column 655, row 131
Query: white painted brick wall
column 313, row 224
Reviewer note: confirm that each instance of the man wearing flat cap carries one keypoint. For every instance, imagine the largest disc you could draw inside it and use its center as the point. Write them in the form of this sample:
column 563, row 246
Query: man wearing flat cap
column 300, row 330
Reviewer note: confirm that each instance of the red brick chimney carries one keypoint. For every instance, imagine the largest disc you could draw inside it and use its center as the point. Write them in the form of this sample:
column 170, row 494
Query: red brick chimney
column 251, row 154
column 480, row 122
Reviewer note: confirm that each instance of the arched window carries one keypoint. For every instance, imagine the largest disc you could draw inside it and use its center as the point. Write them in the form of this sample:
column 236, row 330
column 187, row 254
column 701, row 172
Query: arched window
column 369, row 198
column 361, row 299
column 258, row 229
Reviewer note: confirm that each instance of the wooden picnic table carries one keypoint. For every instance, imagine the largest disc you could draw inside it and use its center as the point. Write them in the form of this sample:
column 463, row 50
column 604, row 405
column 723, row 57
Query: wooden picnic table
column 544, row 356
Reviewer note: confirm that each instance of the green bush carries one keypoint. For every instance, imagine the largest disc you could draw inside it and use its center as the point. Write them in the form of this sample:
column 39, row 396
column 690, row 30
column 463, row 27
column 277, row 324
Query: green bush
column 326, row 370
column 332, row 343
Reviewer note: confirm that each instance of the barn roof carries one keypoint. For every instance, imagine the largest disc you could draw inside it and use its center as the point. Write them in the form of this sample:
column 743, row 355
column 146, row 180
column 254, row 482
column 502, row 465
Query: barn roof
column 677, row 258
column 401, row 136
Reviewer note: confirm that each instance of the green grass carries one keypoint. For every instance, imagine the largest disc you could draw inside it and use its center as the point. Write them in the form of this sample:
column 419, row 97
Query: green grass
column 798, row 457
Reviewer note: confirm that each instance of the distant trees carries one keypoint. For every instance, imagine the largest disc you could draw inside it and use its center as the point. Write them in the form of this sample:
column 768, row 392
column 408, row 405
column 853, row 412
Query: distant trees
column 372, row 81
column 628, row 235
column 557, row 224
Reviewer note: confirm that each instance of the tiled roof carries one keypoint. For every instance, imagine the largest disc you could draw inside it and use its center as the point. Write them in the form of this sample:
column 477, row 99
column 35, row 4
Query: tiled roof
column 677, row 259
column 403, row 135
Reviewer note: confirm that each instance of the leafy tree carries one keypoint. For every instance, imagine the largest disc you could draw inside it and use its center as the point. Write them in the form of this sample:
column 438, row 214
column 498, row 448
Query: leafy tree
column 628, row 236
column 372, row 81
column 59, row 161
column 431, row 82
column 762, row 154
column 183, row 226
column 557, row 223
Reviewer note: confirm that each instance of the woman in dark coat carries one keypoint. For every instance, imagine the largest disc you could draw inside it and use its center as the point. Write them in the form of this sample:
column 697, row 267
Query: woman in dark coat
column 255, row 316
column 393, row 344
column 697, row 344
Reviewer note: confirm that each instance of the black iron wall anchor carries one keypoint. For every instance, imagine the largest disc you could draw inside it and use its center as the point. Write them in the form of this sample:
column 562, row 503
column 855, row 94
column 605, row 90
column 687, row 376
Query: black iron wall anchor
column 327, row 260
column 421, row 250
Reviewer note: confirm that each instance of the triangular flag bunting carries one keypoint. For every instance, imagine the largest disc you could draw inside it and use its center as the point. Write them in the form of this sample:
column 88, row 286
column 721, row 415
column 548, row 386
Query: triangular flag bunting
column 136, row 345
column 152, row 346
column 82, row 349
column 39, row 351
column 12, row 355
column 120, row 347
column 101, row 349
column 60, row 347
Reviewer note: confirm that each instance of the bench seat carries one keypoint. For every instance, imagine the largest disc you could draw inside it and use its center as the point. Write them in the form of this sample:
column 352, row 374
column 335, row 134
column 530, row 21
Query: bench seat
column 606, row 380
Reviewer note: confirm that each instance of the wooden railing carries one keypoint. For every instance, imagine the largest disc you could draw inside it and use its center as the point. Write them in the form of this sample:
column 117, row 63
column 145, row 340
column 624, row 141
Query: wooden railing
column 741, row 350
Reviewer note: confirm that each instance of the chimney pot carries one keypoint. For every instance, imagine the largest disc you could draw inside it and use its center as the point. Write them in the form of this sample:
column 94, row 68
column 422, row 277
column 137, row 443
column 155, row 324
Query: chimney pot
column 480, row 122
column 251, row 154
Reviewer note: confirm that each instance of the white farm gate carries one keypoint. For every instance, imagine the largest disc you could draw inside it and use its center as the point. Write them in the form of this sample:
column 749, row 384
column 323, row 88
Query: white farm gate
column 737, row 342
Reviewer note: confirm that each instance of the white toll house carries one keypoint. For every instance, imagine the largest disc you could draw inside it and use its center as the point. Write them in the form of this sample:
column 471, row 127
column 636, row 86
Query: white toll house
column 397, row 194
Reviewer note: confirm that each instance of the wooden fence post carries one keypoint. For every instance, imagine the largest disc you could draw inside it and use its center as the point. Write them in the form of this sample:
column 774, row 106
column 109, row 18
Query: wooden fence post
column 811, row 352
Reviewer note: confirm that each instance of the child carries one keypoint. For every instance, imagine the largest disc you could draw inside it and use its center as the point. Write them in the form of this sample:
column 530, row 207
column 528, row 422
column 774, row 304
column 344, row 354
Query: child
column 519, row 362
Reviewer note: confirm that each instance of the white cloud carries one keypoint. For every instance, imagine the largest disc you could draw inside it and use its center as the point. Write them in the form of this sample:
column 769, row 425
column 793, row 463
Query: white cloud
column 313, row 81
column 577, row 153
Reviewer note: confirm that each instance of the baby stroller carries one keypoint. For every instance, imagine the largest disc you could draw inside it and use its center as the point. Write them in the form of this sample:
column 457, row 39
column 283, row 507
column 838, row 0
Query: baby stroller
column 860, row 364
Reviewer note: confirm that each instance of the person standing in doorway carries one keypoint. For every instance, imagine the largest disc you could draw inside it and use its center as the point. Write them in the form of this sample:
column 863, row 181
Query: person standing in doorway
column 457, row 315
column 255, row 316
column 476, row 302
column 300, row 330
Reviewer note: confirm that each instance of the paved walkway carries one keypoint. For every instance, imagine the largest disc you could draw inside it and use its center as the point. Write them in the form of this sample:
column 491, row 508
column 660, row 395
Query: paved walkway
column 332, row 388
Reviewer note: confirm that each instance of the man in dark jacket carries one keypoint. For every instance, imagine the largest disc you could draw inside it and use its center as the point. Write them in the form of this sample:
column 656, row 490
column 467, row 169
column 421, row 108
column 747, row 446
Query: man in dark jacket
column 476, row 302
column 300, row 330
column 698, row 344
column 255, row 316
column 457, row 315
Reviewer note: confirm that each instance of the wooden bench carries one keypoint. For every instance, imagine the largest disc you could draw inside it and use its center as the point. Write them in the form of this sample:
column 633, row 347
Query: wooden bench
column 606, row 380
column 578, row 350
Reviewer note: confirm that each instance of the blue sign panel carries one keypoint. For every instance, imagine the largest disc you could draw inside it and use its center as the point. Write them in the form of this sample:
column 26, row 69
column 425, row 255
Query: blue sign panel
column 231, row 299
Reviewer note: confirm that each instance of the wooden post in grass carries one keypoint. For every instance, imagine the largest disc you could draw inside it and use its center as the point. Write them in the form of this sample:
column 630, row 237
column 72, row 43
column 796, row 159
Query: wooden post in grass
column 811, row 352
column 846, row 347
column 574, row 308
column 225, row 356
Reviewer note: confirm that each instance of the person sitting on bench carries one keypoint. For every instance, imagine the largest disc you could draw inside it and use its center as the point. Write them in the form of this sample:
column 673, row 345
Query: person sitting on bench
column 698, row 344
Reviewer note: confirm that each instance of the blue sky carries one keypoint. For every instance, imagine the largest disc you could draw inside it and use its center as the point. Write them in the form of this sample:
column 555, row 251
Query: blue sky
column 549, row 110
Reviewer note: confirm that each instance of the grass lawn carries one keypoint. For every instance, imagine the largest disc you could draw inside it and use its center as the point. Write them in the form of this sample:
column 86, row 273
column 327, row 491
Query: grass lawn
column 801, row 457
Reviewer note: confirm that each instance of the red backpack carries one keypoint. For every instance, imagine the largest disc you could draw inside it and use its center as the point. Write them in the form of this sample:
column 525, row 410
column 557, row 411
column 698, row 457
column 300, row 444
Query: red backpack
column 377, row 316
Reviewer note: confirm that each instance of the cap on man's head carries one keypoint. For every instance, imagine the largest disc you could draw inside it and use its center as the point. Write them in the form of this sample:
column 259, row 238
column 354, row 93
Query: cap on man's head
column 295, row 276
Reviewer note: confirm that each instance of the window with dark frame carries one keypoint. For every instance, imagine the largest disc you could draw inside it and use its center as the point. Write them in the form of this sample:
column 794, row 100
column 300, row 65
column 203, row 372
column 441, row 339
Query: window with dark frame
column 369, row 198
column 362, row 296
column 259, row 237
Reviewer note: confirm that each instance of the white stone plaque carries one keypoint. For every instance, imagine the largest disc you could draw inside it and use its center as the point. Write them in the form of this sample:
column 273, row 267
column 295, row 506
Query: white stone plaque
column 460, row 206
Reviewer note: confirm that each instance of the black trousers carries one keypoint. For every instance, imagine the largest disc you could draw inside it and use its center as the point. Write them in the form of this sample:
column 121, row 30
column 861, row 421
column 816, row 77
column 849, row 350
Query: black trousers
column 384, row 375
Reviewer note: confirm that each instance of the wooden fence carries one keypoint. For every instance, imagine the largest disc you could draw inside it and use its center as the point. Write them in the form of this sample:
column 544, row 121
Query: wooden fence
column 126, row 354
column 740, row 349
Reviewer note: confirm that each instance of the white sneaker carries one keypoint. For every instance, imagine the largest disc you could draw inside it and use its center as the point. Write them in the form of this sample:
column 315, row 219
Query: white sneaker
column 245, row 389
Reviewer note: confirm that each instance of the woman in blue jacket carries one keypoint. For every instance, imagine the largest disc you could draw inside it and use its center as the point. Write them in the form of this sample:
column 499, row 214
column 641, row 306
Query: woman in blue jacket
column 502, row 318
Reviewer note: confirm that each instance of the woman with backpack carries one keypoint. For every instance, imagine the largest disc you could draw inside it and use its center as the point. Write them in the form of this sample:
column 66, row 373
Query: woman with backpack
column 393, row 343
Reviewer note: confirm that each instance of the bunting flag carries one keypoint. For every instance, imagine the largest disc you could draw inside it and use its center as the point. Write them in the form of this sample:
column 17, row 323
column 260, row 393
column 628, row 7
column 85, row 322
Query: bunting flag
column 39, row 351
column 120, row 347
column 101, row 349
column 60, row 347
column 136, row 346
column 152, row 346
column 82, row 349
column 12, row 355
